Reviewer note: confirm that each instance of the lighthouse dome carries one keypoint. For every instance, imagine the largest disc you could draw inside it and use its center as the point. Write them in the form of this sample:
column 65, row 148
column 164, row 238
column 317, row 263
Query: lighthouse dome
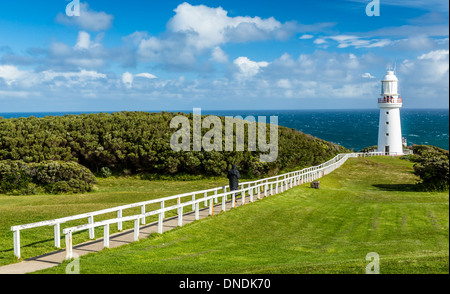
column 390, row 77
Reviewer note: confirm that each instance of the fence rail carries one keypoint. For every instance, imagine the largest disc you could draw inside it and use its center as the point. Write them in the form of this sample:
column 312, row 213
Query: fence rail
column 268, row 186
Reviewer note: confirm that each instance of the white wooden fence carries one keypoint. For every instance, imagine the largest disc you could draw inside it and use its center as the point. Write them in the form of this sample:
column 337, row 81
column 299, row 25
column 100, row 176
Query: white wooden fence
column 265, row 187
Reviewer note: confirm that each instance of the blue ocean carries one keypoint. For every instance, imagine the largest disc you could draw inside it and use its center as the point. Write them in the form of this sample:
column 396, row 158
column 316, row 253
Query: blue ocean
column 355, row 129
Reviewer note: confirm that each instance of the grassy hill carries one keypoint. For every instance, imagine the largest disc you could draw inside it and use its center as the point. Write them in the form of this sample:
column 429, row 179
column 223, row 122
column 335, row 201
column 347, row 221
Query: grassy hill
column 110, row 192
column 368, row 205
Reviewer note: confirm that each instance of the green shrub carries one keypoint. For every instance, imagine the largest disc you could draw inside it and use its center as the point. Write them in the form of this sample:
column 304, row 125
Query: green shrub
column 105, row 172
column 432, row 166
column 139, row 143
column 59, row 187
column 18, row 177
column 14, row 178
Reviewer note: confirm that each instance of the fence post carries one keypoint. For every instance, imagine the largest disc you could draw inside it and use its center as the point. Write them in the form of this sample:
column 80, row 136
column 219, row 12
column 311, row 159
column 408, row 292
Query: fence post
column 119, row 224
column 243, row 197
column 56, row 230
column 160, row 222
column 197, row 211
column 91, row 230
column 193, row 199
column 180, row 216
column 143, row 212
column 16, row 237
column 69, row 246
column 106, row 236
column 136, row 229
column 224, row 203
column 163, row 205
column 211, row 206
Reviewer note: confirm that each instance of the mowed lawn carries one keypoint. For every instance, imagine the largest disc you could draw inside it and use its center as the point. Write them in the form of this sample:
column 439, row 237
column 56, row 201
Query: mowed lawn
column 111, row 192
column 368, row 205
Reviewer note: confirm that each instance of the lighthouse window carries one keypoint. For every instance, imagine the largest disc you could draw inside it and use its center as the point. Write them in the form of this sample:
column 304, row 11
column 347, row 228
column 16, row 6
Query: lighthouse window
column 387, row 122
column 387, row 112
column 387, row 134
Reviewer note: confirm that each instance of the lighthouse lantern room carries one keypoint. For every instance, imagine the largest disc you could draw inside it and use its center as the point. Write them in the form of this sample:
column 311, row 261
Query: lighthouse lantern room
column 390, row 131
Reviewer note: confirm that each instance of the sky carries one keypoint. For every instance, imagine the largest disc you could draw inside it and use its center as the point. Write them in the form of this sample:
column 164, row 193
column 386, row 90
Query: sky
column 171, row 55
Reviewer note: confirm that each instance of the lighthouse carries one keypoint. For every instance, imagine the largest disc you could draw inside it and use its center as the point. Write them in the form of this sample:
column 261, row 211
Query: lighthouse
column 390, row 132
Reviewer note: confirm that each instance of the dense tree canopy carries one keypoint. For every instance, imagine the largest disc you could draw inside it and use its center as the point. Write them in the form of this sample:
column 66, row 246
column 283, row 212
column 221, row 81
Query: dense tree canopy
column 139, row 142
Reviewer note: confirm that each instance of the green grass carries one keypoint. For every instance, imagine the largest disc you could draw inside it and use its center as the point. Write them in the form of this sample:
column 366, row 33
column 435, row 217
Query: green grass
column 111, row 192
column 368, row 205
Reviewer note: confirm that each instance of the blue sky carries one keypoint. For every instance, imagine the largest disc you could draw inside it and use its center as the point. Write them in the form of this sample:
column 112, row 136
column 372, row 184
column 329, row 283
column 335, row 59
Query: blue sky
column 217, row 55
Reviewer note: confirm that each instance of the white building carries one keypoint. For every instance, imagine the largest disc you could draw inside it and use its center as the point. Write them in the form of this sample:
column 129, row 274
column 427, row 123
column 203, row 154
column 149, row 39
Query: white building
column 390, row 131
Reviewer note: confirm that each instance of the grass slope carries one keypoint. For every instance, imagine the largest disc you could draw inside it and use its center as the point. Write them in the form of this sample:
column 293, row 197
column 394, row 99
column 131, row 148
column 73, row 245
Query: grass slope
column 368, row 205
column 111, row 192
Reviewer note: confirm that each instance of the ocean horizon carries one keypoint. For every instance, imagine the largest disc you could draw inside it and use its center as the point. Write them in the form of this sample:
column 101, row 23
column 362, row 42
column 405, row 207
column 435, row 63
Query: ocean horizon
column 352, row 128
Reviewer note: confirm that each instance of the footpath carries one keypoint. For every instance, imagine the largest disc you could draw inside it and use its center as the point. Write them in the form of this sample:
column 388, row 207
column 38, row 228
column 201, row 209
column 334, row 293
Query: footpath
column 118, row 239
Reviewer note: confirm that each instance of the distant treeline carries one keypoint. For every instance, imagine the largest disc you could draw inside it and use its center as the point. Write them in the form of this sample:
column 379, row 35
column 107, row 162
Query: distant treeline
column 139, row 142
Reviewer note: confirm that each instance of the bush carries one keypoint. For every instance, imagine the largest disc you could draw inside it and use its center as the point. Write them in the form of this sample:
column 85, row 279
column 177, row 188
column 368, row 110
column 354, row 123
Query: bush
column 14, row 179
column 432, row 166
column 433, row 173
column 105, row 172
column 18, row 177
column 59, row 187
column 139, row 143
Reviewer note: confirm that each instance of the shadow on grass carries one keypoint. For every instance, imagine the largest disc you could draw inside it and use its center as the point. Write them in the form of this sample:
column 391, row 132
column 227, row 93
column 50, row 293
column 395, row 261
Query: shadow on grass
column 27, row 245
column 397, row 187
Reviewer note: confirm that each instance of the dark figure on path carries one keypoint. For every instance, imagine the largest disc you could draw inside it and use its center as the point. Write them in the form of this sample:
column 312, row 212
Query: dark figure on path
column 234, row 176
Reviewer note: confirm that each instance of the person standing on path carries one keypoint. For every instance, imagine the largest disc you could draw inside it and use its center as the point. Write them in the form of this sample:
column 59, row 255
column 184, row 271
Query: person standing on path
column 234, row 176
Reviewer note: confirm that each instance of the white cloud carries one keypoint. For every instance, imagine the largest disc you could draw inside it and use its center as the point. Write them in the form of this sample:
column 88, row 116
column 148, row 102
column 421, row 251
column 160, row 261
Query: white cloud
column 11, row 74
column 306, row 37
column 284, row 83
column 358, row 42
column 426, row 77
column 23, row 78
column 194, row 30
column 368, row 76
column 219, row 55
column 85, row 53
column 146, row 75
column 88, row 20
column 433, row 67
column 416, row 42
column 84, row 41
column 127, row 80
column 435, row 55
column 319, row 41
column 248, row 68
column 213, row 26
column 81, row 75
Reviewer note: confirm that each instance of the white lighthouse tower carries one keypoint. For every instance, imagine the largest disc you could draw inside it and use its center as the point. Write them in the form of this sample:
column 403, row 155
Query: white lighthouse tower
column 390, row 131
